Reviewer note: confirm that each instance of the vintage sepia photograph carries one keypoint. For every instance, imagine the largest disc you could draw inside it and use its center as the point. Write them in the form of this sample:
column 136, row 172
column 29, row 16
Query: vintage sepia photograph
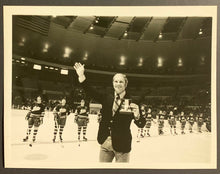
column 110, row 87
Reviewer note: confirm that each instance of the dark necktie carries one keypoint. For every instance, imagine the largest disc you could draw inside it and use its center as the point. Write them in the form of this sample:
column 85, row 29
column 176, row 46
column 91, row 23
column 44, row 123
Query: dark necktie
column 115, row 104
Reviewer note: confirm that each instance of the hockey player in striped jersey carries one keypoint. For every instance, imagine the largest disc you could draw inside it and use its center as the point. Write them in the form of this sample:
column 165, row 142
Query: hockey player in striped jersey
column 160, row 120
column 191, row 121
column 149, row 119
column 182, row 122
column 34, row 118
column 61, row 111
column 200, row 121
column 172, row 123
column 208, row 123
column 140, row 133
column 81, row 118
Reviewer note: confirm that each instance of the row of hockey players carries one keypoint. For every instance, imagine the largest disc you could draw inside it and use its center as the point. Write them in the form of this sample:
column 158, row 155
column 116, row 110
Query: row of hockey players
column 61, row 112
column 173, row 116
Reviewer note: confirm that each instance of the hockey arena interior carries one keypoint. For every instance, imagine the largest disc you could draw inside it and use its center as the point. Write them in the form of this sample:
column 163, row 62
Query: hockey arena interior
column 167, row 61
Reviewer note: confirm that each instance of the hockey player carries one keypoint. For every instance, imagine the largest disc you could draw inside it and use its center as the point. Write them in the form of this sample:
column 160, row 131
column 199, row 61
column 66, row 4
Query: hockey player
column 182, row 122
column 172, row 122
column 140, row 130
column 208, row 123
column 160, row 121
column 35, row 118
column 191, row 121
column 149, row 119
column 81, row 118
column 61, row 111
column 200, row 121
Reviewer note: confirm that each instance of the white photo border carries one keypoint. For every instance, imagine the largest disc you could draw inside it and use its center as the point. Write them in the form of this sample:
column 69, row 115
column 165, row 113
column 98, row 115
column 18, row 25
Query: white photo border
column 8, row 11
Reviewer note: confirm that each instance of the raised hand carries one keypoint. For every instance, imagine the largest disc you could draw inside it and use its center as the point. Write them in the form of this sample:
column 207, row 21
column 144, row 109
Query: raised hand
column 79, row 69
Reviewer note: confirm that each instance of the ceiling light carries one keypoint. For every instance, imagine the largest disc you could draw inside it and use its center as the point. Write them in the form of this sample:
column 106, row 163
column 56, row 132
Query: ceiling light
column 66, row 55
column 45, row 50
column 23, row 39
column 67, row 52
column 160, row 35
column 86, row 54
column 37, row 67
column 22, row 58
column 64, row 71
column 200, row 31
column 46, row 67
column 202, row 62
column 23, row 62
column 85, row 57
column 21, row 43
column 56, row 69
column 91, row 27
column 159, row 62
column 180, row 62
column 46, row 46
column 140, row 63
column 51, row 67
column 126, row 33
column 122, row 60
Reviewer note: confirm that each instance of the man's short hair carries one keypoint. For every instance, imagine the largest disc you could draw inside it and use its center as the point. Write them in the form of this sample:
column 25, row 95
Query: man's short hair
column 124, row 76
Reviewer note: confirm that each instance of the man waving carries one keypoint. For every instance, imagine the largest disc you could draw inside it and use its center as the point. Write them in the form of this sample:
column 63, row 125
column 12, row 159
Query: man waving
column 114, row 134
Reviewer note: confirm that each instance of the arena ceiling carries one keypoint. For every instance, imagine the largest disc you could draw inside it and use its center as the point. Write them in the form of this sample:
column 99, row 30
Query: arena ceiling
column 137, row 28
column 102, row 41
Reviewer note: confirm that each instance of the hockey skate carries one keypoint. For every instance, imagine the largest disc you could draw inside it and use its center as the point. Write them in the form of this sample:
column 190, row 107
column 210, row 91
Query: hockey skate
column 25, row 139
column 61, row 142
column 182, row 132
column 31, row 143
column 161, row 132
column 54, row 139
column 61, row 139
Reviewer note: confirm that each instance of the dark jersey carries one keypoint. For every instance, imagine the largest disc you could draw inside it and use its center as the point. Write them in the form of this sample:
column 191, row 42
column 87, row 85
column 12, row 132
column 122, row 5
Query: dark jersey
column 200, row 118
column 37, row 109
column 175, row 112
column 171, row 117
column 149, row 117
column 161, row 121
column 143, row 113
column 62, row 110
column 208, row 120
column 82, row 110
column 191, row 119
column 161, row 117
column 182, row 119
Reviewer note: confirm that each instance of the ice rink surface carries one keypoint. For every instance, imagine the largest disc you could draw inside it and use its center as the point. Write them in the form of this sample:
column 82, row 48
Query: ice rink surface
column 168, row 149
